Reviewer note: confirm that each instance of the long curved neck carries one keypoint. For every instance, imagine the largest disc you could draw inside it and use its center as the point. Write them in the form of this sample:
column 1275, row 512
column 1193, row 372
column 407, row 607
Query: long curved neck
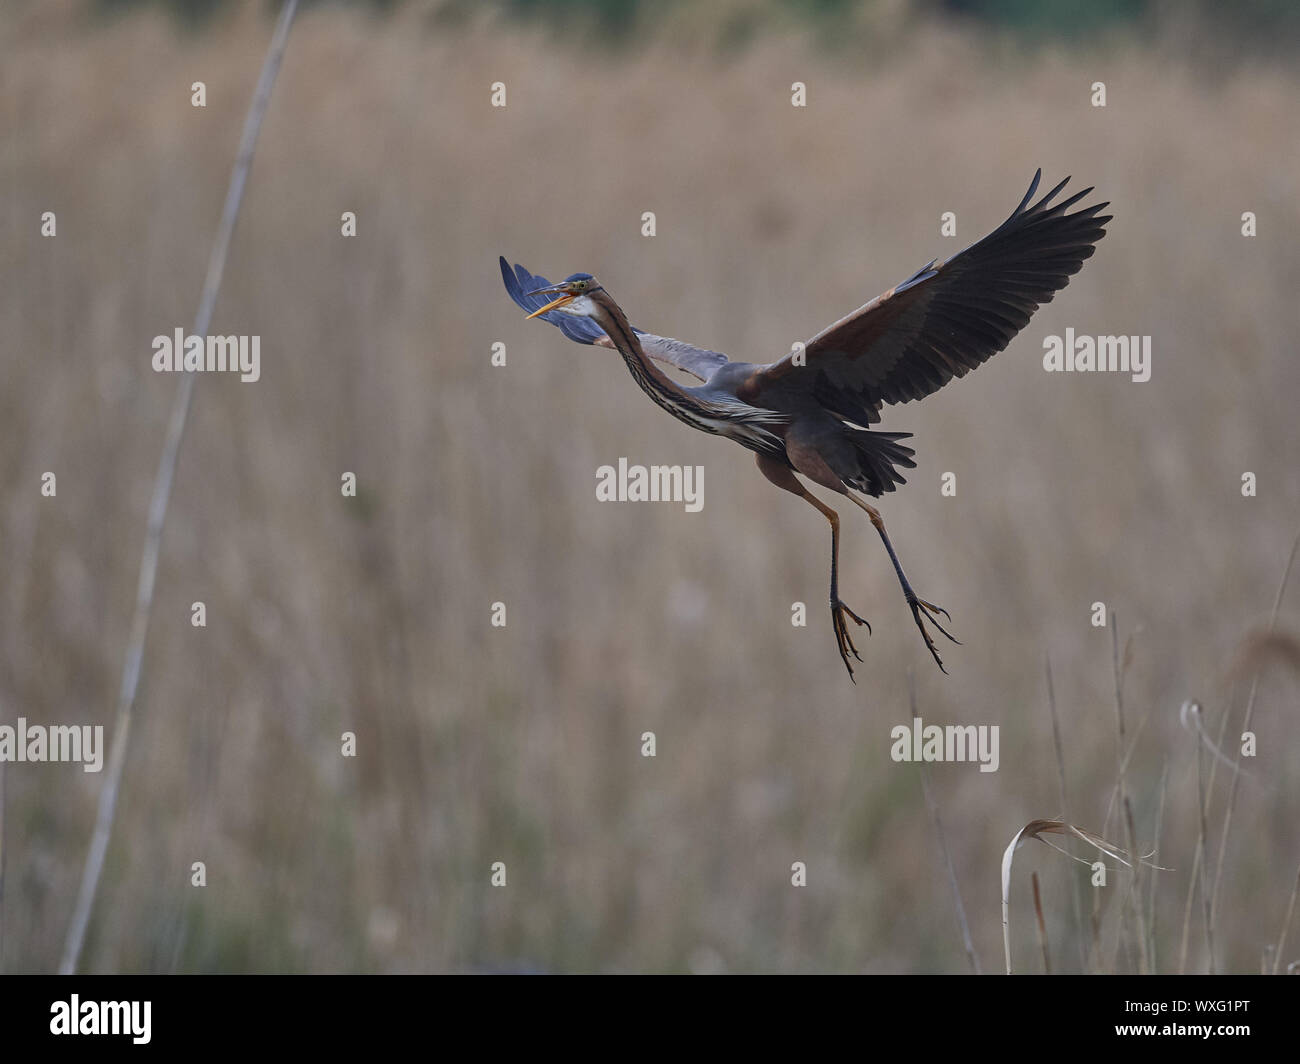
column 685, row 404
column 665, row 391
column 615, row 324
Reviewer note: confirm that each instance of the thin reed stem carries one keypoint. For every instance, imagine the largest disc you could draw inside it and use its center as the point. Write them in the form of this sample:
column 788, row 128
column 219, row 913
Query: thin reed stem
column 1201, row 845
column 1042, row 927
column 962, row 922
column 1286, row 923
column 162, row 490
column 1075, row 900
column 1245, row 727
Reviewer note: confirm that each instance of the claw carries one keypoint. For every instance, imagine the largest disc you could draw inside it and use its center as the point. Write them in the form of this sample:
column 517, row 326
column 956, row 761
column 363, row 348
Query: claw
column 842, row 637
column 937, row 609
column 930, row 610
column 860, row 620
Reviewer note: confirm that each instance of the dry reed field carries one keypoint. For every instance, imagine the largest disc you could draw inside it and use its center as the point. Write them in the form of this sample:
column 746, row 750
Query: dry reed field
column 523, row 744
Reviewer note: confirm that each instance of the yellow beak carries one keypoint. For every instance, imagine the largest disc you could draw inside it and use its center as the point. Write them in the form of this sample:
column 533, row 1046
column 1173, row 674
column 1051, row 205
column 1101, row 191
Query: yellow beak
column 557, row 302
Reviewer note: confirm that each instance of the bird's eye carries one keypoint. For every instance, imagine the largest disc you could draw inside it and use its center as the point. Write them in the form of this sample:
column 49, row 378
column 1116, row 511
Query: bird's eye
column 580, row 285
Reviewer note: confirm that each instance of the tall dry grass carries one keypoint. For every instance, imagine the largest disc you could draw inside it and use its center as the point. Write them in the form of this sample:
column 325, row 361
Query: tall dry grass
column 523, row 744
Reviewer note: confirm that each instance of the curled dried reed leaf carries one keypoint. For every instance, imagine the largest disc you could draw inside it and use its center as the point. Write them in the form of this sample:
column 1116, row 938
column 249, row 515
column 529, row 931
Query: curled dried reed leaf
column 1036, row 829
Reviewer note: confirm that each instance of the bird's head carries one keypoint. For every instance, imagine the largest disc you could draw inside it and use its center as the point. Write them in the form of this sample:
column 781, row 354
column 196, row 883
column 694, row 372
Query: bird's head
column 572, row 296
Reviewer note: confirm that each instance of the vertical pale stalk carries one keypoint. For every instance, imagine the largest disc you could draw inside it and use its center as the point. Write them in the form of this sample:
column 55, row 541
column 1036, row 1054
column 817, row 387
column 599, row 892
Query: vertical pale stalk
column 162, row 488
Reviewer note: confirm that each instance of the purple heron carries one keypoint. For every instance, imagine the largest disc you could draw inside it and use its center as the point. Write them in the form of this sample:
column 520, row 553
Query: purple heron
column 808, row 412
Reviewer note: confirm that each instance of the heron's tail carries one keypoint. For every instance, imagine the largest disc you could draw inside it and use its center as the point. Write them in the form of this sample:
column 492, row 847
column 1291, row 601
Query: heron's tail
column 879, row 455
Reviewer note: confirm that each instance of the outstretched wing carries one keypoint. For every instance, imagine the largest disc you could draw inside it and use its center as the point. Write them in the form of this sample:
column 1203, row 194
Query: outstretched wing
column 694, row 360
column 947, row 318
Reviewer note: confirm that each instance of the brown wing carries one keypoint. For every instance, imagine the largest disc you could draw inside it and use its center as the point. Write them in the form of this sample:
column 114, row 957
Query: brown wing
column 944, row 320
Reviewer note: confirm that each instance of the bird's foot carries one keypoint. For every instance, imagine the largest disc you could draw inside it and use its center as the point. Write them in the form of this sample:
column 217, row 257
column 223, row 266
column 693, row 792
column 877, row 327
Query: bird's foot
column 931, row 611
column 842, row 637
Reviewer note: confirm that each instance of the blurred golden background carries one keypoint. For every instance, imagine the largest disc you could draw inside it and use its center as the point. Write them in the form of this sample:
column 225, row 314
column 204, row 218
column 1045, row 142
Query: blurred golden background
column 476, row 485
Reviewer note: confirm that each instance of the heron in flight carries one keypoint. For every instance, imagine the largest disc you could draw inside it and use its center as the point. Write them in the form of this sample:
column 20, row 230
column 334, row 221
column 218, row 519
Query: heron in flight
column 808, row 412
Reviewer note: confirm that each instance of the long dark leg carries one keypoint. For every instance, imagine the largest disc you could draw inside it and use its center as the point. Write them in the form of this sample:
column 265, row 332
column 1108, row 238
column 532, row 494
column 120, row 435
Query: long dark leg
column 918, row 605
column 782, row 477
